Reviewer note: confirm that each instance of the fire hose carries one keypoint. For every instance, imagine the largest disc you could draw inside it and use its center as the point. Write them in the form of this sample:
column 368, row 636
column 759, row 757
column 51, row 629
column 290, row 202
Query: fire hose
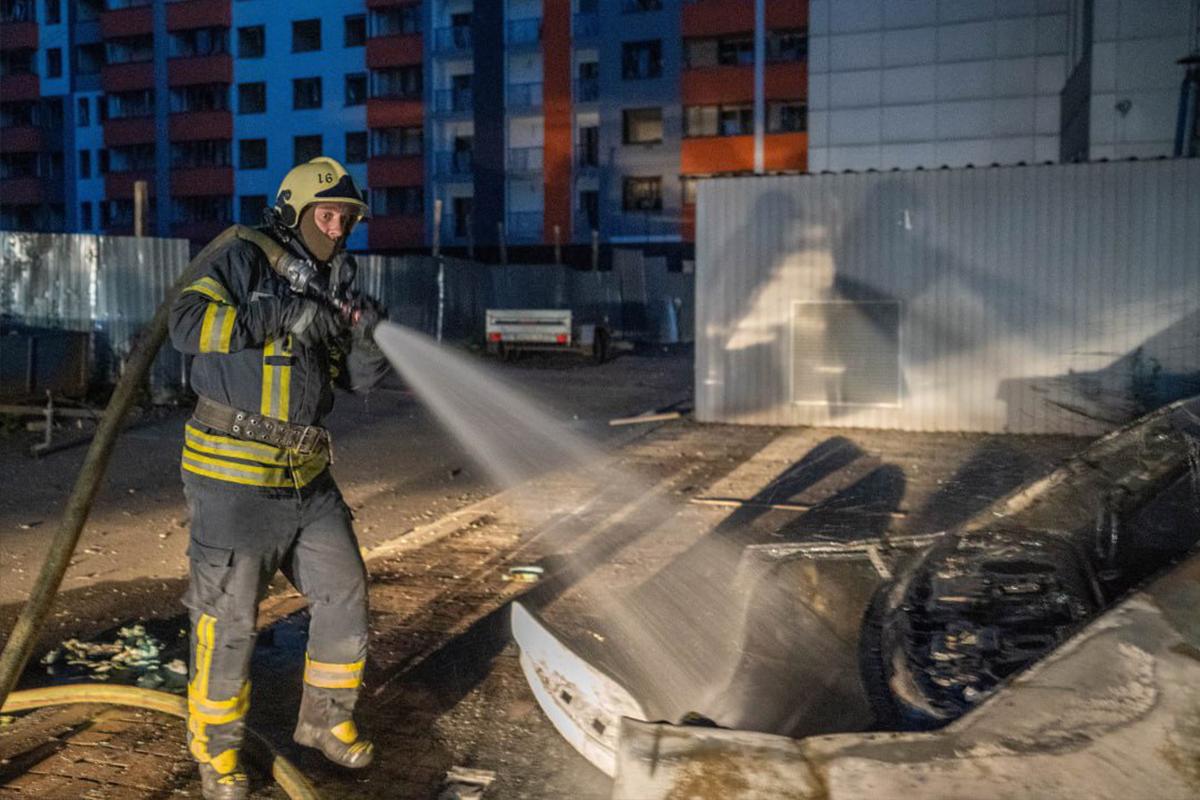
column 33, row 615
column 290, row 779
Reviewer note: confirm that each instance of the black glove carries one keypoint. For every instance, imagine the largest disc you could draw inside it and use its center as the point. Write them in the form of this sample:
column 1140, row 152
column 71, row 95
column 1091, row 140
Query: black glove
column 365, row 313
column 309, row 322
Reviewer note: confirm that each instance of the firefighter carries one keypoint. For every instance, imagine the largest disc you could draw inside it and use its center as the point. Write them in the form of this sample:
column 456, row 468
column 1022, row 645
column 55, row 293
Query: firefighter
column 256, row 471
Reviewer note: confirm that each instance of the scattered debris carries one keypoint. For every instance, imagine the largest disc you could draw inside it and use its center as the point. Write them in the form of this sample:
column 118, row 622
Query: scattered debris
column 527, row 574
column 465, row 783
column 134, row 657
column 648, row 417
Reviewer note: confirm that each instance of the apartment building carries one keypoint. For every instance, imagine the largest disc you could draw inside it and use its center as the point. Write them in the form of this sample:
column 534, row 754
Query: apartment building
column 533, row 122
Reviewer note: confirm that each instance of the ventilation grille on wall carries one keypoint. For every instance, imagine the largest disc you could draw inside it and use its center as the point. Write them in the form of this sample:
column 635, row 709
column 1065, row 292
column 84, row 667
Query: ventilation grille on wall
column 846, row 353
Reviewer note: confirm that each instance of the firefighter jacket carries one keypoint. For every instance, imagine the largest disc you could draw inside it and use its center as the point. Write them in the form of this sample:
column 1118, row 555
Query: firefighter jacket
column 229, row 319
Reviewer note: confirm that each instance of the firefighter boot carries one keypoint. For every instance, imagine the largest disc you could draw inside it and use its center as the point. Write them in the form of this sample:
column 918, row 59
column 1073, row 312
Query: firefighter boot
column 222, row 779
column 339, row 741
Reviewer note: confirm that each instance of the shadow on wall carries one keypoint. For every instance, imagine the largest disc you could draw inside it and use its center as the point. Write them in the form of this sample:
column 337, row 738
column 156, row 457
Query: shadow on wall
column 1134, row 384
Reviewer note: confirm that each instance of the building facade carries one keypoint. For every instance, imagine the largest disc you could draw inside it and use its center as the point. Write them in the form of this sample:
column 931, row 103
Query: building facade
column 530, row 123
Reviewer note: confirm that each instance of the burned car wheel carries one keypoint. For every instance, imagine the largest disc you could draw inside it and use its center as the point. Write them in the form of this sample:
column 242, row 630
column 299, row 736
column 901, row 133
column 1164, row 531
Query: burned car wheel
column 966, row 614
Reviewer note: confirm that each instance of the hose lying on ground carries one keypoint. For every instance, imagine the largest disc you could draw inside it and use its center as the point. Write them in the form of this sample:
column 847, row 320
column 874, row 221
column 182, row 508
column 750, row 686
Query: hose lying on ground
column 290, row 779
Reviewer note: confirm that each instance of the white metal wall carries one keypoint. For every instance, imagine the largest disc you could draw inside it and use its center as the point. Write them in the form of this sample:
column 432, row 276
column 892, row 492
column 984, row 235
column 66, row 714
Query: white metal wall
column 1033, row 299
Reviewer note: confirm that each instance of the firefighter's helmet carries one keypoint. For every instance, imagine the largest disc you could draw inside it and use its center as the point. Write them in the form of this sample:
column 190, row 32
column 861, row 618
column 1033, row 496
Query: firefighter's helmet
column 321, row 180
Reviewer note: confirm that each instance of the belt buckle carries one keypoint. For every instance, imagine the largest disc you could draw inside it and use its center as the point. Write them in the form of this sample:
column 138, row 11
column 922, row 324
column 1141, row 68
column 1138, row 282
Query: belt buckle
column 310, row 437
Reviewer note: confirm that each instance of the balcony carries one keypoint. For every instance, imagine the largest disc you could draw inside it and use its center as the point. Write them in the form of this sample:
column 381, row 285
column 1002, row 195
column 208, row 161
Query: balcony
column 119, row 185
column 454, row 101
column 721, row 84
column 585, row 26
column 523, row 95
column 22, row 139
column 127, row 77
column 453, row 40
column 19, row 35
column 201, row 181
column 187, row 70
column 129, row 130
column 395, row 232
column 520, row 32
column 458, row 163
column 398, row 50
column 198, row 14
column 393, row 112
column 193, row 125
column 19, row 87
column 586, row 164
column 523, row 226
column 24, row 191
column 131, row 21
column 587, row 90
column 385, row 171
column 524, row 159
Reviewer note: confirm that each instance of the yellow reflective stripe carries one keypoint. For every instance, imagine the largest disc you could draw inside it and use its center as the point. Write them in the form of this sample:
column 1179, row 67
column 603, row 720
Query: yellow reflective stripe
column 277, row 380
column 224, row 445
column 302, row 473
column 198, row 685
column 332, row 676
column 211, row 288
column 219, row 712
column 216, row 331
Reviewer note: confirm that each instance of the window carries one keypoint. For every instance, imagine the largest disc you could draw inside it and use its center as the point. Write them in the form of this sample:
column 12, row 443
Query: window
column 786, row 116
column 54, row 62
column 83, row 117
column 306, row 148
column 589, row 208
column 641, row 60
column 687, row 185
column 201, row 153
column 398, row 201
column 102, row 162
column 123, row 105
column 589, row 146
column 252, row 98
column 405, row 19
column 721, row 51
column 128, row 158
column 642, row 194
column 250, row 208
column 306, row 35
column 200, row 97
column 642, row 125
column 464, row 208
column 129, row 49
column 211, row 208
column 398, row 82
column 85, row 163
column 354, row 30
column 89, row 58
column 398, row 142
column 252, row 154
column 356, row 147
column 252, row 42
column 306, row 93
column 726, row 120
column 634, row 6
column 199, row 42
column 356, row 88
column 788, row 45
column 85, row 216
column 53, row 12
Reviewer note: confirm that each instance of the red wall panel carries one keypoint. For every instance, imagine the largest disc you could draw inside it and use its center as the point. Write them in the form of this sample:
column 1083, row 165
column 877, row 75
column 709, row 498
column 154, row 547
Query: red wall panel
column 127, row 77
column 127, row 21
column 192, row 125
column 785, row 151
column 716, row 154
column 407, row 171
column 393, row 51
column 134, row 130
column 119, row 185
column 25, row 139
column 556, row 108
column 395, row 232
column 383, row 113
column 710, row 85
column 199, row 69
column 24, row 191
column 18, row 36
column 19, row 87
column 198, row 14
column 200, row 181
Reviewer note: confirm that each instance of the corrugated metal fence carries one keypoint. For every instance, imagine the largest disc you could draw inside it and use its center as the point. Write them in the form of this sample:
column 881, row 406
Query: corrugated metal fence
column 1055, row 298
column 106, row 286
column 110, row 286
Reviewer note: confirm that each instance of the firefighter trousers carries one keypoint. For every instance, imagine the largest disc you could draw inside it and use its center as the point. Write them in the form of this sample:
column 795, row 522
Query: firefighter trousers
column 239, row 539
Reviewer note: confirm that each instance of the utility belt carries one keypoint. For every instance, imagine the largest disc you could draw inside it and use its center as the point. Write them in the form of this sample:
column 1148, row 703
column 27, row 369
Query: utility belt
column 302, row 439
